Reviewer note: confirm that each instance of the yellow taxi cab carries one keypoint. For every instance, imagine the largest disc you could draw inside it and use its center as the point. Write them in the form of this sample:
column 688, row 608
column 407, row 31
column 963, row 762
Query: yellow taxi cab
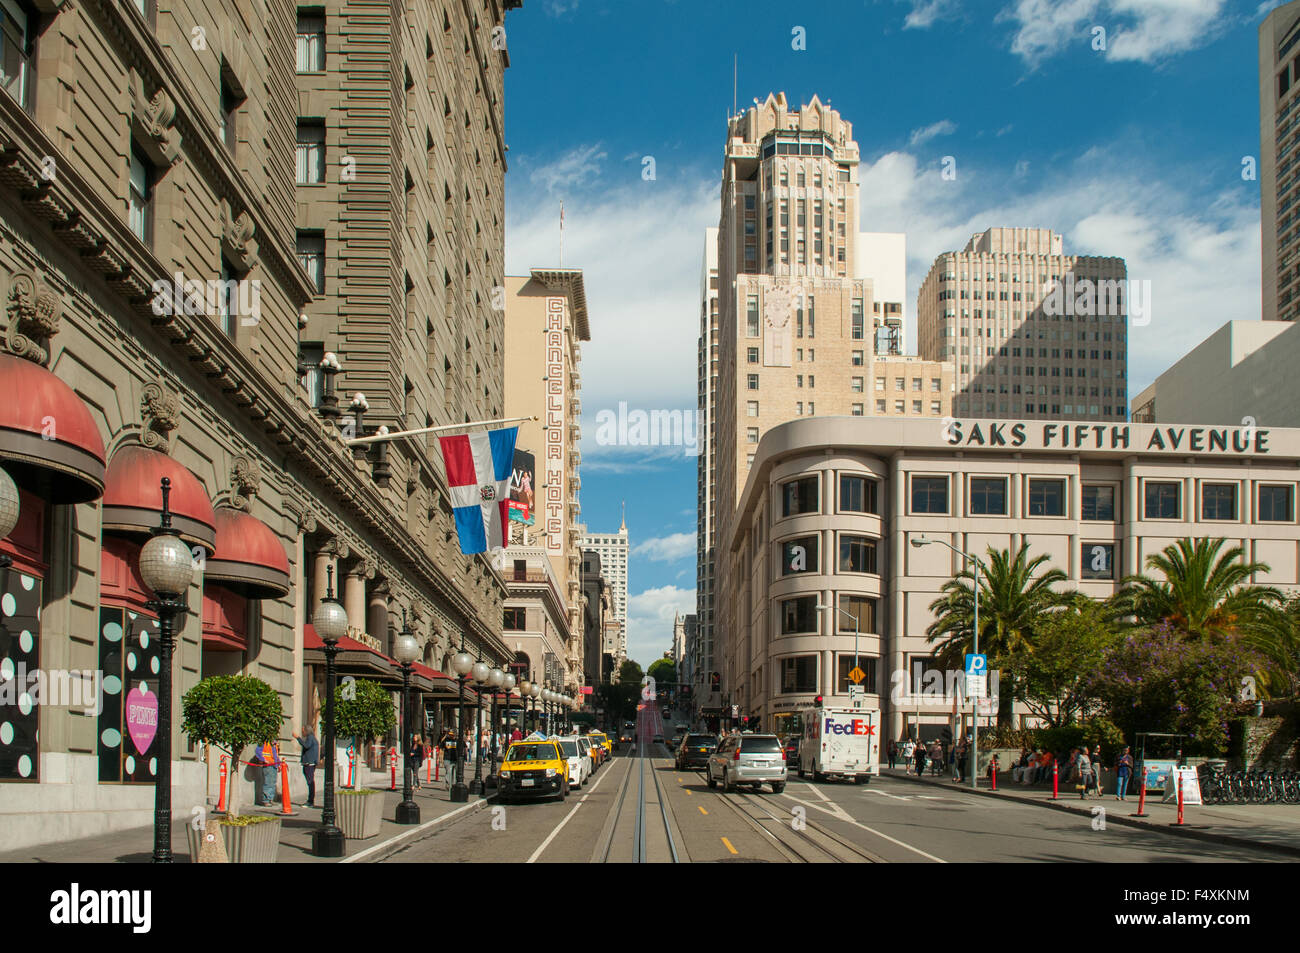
column 534, row 768
column 605, row 742
column 595, row 749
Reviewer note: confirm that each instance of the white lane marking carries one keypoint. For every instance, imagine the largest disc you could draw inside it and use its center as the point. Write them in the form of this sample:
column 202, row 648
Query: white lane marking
column 560, row 826
column 915, row 850
column 896, row 797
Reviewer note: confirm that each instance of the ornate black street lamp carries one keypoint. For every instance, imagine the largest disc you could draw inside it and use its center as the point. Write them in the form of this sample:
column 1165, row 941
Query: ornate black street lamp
column 480, row 673
column 461, row 663
column 167, row 568
column 406, row 651
column 331, row 624
column 496, row 678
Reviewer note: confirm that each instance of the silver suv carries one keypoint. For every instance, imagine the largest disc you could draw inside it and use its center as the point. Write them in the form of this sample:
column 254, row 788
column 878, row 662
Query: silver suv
column 747, row 759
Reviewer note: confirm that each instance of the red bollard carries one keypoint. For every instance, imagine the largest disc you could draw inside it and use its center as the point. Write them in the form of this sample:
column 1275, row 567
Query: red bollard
column 1056, row 781
column 286, row 806
column 1179, row 781
column 428, row 766
column 1142, row 797
column 392, row 763
column 993, row 774
column 221, row 797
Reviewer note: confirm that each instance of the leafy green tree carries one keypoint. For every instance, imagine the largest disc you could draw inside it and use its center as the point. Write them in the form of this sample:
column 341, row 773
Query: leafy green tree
column 664, row 672
column 232, row 712
column 367, row 714
column 1054, row 679
column 1206, row 595
column 1015, row 592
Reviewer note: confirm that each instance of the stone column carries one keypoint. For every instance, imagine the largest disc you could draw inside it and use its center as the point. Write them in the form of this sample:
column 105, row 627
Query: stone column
column 898, row 562
column 354, row 596
column 377, row 615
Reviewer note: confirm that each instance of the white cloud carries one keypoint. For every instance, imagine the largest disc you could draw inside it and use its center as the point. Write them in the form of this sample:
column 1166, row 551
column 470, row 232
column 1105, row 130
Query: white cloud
column 944, row 127
column 640, row 246
column 1144, row 31
column 666, row 549
column 650, row 621
column 571, row 170
column 925, row 12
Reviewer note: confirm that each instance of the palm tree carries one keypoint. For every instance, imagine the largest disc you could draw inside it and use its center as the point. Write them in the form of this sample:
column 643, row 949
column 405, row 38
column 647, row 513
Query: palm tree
column 1012, row 600
column 1207, row 595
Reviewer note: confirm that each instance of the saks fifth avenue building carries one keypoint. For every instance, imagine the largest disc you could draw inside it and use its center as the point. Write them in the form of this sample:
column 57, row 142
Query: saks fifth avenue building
column 832, row 505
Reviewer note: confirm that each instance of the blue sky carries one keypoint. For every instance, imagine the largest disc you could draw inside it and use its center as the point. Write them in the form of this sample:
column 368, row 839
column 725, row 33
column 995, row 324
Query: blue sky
column 1134, row 150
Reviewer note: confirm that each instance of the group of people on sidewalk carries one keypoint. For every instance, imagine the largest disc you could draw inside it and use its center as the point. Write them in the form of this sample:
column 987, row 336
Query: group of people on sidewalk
column 1082, row 768
column 938, row 756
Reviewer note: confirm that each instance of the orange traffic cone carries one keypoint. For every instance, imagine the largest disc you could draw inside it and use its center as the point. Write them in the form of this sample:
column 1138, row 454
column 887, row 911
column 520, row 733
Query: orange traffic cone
column 286, row 809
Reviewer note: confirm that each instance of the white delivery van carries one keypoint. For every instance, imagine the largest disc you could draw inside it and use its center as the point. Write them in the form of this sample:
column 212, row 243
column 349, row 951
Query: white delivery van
column 840, row 743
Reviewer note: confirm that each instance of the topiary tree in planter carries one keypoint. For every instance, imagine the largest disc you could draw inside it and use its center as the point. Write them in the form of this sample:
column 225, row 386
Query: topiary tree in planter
column 362, row 710
column 232, row 712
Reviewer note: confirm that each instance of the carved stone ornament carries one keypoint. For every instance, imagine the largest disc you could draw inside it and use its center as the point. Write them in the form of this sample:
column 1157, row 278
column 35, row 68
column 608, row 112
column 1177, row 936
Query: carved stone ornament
column 160, row 414
column 151, row 119
column 237, row 238
column 246, row 480
column 34, row 312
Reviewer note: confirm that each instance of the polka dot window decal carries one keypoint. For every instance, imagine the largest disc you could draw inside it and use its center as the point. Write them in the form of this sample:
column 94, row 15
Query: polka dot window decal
column 20, row 646
column 129, row 658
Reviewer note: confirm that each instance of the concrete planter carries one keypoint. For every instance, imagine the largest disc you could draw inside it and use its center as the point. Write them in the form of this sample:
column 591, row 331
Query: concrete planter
column 250, row 844
column 360, row 814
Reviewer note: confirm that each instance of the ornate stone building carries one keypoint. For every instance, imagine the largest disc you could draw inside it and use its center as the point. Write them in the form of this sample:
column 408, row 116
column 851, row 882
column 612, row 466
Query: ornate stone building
column 190, row 294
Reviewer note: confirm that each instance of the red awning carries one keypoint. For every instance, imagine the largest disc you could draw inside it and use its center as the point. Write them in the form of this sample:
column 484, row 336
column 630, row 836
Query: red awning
column 248, row 558
column 133, row 496
column 48, row 441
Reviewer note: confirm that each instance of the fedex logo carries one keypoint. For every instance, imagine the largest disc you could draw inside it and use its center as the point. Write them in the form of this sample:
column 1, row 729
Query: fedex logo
column 855, row 727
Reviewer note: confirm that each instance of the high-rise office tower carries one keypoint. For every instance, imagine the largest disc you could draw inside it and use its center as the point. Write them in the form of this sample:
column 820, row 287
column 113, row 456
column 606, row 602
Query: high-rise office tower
column 613, row 551
column 798, row 332
column 1279, row 162
column 1033, row 332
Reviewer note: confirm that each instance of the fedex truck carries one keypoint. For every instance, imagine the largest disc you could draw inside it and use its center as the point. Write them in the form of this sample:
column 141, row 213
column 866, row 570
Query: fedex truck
column 840, row 743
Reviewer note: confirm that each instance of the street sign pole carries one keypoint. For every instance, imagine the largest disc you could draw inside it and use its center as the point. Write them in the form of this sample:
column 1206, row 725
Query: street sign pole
column 975, row 711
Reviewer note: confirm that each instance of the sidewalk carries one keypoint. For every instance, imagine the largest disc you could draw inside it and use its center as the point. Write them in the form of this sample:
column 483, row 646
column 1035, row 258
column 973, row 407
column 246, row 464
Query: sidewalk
column 136, row 845
column 1272, row 827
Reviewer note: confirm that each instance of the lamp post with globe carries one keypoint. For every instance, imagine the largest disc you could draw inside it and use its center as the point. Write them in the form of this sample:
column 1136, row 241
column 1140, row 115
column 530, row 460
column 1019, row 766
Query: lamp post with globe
column 406, row 651
column 461, row 663
column 331, row 623
column 480, row 673
column 167, row 568
column 496, row 678
column 525, row 693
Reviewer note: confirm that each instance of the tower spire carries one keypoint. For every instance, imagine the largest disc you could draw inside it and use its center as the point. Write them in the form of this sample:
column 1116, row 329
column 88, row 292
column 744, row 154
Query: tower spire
column 623, row 524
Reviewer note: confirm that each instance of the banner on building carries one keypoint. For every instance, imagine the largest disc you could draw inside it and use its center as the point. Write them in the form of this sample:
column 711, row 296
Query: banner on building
column 522, row 506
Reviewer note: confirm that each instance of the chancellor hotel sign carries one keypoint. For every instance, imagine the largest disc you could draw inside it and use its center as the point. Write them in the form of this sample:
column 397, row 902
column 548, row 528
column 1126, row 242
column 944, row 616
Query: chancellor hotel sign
column 1119, row 437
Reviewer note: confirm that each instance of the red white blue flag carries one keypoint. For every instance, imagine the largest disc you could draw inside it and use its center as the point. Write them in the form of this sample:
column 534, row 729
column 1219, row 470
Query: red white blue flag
column 479, row 467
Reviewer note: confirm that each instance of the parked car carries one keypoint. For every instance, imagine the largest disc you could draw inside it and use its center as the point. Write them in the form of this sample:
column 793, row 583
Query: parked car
column 534, row 769
column 747, row 759
column 578, row 755
column 657, row 740
column 791, row 749
column 693, row 751
column 595, row 749
column 605, row 742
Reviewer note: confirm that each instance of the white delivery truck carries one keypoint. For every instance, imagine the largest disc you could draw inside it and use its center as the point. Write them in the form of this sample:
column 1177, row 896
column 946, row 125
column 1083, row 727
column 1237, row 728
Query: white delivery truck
column 841, row 743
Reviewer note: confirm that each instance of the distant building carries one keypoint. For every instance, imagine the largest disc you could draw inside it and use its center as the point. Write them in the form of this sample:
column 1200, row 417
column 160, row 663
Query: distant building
column 613, row 551
column 1279, row 163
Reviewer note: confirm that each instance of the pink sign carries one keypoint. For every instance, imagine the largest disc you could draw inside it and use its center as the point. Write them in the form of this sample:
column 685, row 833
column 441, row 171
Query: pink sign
column 586, row 689
column 141, row 718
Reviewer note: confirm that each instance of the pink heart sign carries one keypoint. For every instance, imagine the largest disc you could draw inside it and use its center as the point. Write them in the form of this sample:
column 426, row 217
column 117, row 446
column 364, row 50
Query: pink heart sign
column 141, row 718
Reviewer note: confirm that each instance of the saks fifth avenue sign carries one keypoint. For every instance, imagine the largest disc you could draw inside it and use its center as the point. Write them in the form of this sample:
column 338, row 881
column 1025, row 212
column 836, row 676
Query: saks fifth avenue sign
column 1145, row 438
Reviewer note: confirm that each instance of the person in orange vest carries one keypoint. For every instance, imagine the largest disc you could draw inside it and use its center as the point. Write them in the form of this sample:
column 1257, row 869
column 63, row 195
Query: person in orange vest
column 268, row 758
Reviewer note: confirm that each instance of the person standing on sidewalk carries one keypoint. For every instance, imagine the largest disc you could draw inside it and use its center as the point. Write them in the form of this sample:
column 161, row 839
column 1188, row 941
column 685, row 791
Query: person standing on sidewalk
column 892, row 752
column 1123, row 768
column 907, row 750
column 1096, row 769
column 1084, row 767
column 920, row 759
column 417, row 759
column 310, row 758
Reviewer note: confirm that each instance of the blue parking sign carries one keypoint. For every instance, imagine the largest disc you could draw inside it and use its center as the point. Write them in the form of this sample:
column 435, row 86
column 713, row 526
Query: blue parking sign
column 977, row 664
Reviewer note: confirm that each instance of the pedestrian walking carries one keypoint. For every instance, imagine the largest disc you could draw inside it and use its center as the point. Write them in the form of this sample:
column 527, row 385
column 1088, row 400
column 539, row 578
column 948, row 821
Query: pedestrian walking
column 959, row 761
column 909, row 749
column 892, row 751
column 1123, row 768
column 417, row 759
column 1096, row 770
column 1083, row 766
column 266, row 763
column 310, row 758
column 936, row 759
column 920, row 760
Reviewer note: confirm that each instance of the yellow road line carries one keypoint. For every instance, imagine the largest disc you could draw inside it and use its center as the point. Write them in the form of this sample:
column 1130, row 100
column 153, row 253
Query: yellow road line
column 727, row 844
column 702, row 810
column 688, row 790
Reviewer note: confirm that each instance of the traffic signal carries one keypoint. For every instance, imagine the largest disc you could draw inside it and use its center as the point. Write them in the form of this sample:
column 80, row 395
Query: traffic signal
column 715, row 682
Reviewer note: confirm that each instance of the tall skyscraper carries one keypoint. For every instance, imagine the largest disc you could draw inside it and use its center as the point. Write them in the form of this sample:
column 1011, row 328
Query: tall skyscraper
column 1279, row 162
column 798, row 332
column 706, row 517
column 1012, row 312
column 613, row 551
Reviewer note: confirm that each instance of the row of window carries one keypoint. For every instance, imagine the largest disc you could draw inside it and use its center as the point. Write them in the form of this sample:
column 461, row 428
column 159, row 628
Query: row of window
column 857, row 494
column 801, row 554
column 798, row 674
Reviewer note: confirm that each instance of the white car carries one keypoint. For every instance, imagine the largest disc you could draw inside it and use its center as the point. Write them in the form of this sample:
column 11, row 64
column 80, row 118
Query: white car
column 579, row 757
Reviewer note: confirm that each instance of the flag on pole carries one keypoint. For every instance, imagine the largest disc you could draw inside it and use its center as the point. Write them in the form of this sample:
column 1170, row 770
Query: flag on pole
column 479, row 467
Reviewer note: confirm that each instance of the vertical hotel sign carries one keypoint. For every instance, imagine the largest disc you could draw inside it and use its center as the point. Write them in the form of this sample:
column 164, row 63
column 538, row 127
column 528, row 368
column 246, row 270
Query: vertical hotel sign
column 555, row 426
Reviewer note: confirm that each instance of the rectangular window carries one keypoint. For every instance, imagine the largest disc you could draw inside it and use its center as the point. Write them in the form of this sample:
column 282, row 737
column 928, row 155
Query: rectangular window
column 751, row 434
column 1276, row 504
column 309, row 357
column 516, row 619
column 845, row 665
column 929, row 495
column 751, row 408
column 1160, row 500
column 311, row 152
column 799, row 496
column 988, row 496
column 1046, row 497
column 1097, row 561
column 140, row 213
column 752, row 355
column 1098, row 503
column 857, row 554
column 799, row 555
column 880, row 406
column 858, row 330
column 311, row 255
column 799, row 615
column 311, row 41
column 1218, row 501
column 230, row 102
column 227, row 300
column 751, row 316
column 857, row 358
column 861, row 608
column 17, row 49
column 752, row 381
column 799, row 674
column 856, row 410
